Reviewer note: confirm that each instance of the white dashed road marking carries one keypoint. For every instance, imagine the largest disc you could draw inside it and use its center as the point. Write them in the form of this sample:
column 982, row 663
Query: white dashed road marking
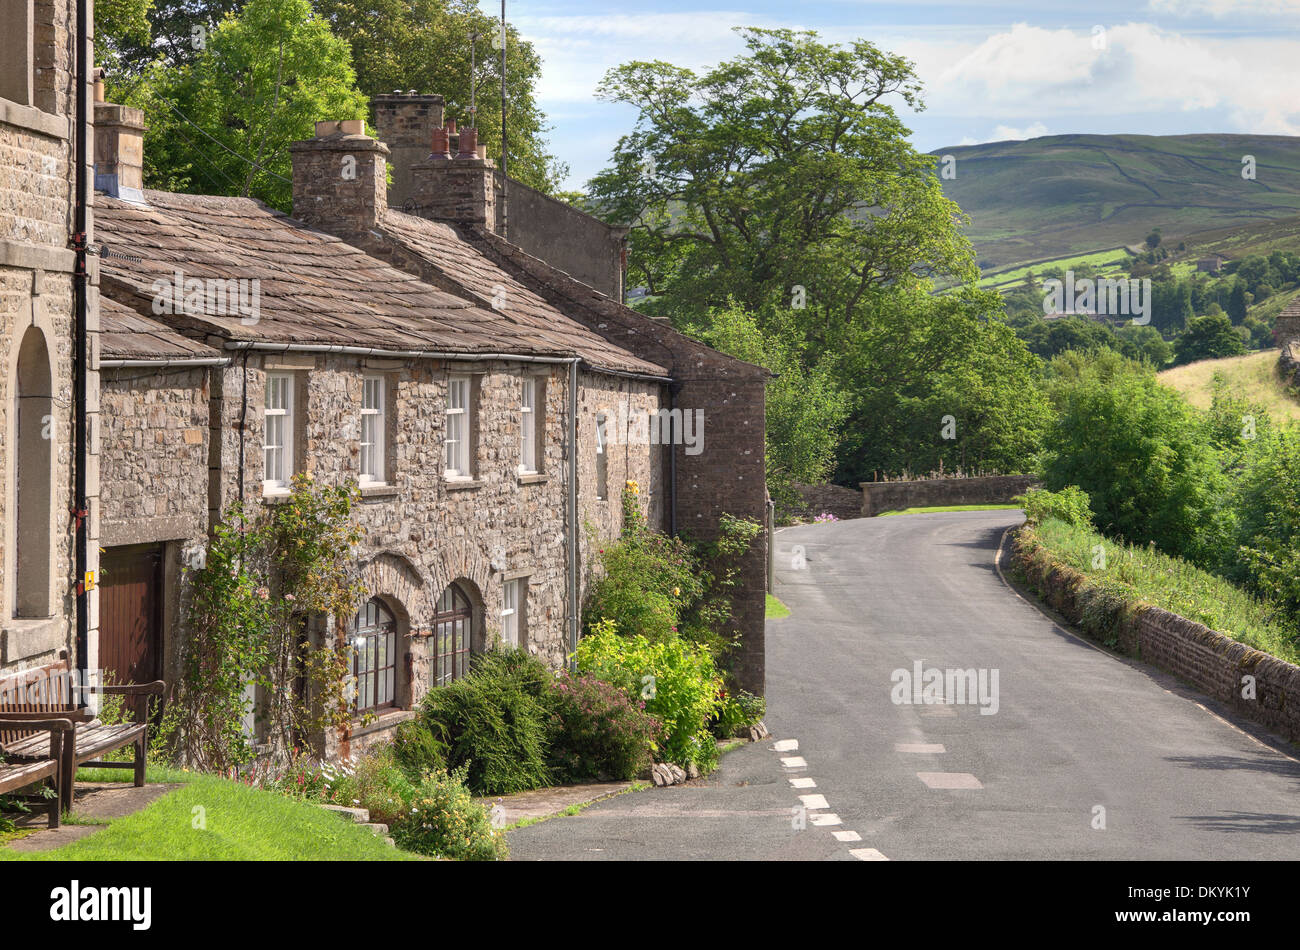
column 814, row 801
column 803, row 783
column 794, row 762
column 786, row 745
column 846, row 836
column 827, row 819
column 923, row 748
column 868, row 854
column 949, row 779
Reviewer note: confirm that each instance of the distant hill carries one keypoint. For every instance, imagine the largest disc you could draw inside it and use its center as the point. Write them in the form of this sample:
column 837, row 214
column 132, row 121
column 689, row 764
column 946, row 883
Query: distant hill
column 1065, row 194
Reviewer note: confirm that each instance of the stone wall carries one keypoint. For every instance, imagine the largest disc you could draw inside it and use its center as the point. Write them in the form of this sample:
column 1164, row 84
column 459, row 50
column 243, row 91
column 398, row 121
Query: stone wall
column 728, row 476
column 154, row 446
column 1214, row 664
column 878, row 497
column 421, row 532
column 1288, row 363
column 843, row 503
column 37, row 184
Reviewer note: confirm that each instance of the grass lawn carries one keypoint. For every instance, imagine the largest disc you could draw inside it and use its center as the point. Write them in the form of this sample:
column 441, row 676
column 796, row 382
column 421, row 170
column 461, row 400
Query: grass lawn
column 775, row 609
column 1253, row 376
column 214, row 819
column 1175, row 585
column 921, row 511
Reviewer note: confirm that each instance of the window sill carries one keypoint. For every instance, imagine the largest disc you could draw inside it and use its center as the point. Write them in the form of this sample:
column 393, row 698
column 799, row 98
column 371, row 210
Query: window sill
column 462, row 484
column 532, row 478
column 33, row 119
column 379, row 491
column 387, row 720
column 277, row 497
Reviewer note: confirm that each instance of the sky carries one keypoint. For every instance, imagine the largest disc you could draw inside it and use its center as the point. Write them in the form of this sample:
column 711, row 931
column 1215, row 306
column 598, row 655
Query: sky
column 991, row 71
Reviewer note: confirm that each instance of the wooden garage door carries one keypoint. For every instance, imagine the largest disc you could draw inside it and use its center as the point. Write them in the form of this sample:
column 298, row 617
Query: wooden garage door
column 130, row 615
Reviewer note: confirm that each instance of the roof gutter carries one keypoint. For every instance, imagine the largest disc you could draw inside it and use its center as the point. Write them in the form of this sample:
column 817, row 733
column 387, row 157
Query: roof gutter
column 377, row 351
column 166, row 364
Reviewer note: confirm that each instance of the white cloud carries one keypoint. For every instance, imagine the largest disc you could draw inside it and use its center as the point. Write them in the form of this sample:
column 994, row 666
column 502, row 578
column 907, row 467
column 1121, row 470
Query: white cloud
column 1005, row 133
column 1027, row 72
column 1223, row 8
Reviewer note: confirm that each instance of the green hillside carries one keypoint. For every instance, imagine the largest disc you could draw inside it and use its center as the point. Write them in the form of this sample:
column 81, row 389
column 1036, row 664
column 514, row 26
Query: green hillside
column 1061, row 195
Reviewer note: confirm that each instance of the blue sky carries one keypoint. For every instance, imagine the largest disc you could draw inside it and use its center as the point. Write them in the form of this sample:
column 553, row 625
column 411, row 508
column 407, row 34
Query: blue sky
column 1002, row 69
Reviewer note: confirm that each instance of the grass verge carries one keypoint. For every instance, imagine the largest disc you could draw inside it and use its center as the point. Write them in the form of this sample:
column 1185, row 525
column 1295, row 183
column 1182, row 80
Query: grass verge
column 214, row 819
column 1142, row 575
column 775, row 609
column 922, row 511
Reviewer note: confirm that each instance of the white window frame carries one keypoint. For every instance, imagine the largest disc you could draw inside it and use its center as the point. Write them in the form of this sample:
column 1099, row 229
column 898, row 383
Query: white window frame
column 528, row 426
column 374, row 406
column 286, row 413
column 514, row 623
column 602, row 458
column 460, row 395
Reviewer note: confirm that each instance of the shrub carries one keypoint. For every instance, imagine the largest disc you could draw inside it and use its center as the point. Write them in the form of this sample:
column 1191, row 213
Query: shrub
column 443, row 820
column 1070, row 505
column 376, row 782
column 600, row 732
column 676, row 679
column 495, row 722
column 416, row 750
column 736, row 713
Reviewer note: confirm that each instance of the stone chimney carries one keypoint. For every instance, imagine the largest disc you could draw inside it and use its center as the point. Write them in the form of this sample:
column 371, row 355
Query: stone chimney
column 340, row 178
column 463, row 189
column 402, row 122
column 119, row 149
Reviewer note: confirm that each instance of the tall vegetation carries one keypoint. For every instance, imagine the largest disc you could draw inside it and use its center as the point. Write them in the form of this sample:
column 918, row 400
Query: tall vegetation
column 782, row 184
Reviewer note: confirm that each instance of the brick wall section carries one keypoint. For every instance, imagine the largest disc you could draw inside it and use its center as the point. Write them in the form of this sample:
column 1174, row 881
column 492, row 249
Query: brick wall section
column 878, row 497
column 728, row 476
column 1211, row 662
column 404, row 123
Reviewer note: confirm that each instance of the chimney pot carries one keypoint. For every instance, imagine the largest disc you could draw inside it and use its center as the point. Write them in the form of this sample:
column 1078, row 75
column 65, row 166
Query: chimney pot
column 441, row 147
column 468, row 143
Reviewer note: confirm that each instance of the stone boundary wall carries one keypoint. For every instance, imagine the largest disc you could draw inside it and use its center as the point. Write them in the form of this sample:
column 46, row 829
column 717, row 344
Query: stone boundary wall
column 843, row 503
column 1207, row 660
column 878, row 497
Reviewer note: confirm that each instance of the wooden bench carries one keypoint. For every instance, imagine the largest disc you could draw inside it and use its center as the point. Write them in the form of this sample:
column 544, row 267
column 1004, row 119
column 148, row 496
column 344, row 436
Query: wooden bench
column 18, row 772
column 50, row 693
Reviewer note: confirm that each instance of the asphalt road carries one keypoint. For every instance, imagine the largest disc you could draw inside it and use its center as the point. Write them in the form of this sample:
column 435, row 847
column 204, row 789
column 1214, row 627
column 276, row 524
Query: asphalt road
column 1088, row 756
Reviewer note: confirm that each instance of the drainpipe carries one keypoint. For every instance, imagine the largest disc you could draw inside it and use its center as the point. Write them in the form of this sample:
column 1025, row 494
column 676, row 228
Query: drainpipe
column 572, row 506
column 81, row 281
column 672, row 465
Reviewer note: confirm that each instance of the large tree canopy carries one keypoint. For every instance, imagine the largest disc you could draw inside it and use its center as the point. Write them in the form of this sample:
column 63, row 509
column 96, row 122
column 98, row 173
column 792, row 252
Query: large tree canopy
column 394, row 44
column 786, row 167
column 784, row 181
column 223, row 123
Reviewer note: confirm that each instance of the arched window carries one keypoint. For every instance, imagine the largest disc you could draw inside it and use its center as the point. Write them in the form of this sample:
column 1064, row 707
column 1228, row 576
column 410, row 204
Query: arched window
column 453, row 628
column 34, row 440
column 374, row 657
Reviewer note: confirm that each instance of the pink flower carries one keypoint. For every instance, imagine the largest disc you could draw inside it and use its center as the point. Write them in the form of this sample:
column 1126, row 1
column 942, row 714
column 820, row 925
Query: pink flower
column 263, row 593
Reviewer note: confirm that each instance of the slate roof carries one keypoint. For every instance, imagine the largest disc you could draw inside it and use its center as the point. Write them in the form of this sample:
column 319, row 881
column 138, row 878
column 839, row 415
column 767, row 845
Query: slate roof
column 316, row 288
column 126, row 335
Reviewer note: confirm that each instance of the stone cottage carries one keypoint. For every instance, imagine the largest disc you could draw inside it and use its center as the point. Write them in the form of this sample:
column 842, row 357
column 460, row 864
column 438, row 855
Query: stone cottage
column 48, row 601
column 486, row 403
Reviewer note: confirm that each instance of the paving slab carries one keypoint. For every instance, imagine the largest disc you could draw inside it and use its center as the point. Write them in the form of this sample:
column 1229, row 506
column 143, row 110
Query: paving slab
column 545, row 802
column 92, row 801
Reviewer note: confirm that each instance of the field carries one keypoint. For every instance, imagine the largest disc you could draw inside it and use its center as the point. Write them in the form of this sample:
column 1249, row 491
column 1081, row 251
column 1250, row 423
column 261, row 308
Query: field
column 1106, row 262
column 1252, row 376
column 1064, row 195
